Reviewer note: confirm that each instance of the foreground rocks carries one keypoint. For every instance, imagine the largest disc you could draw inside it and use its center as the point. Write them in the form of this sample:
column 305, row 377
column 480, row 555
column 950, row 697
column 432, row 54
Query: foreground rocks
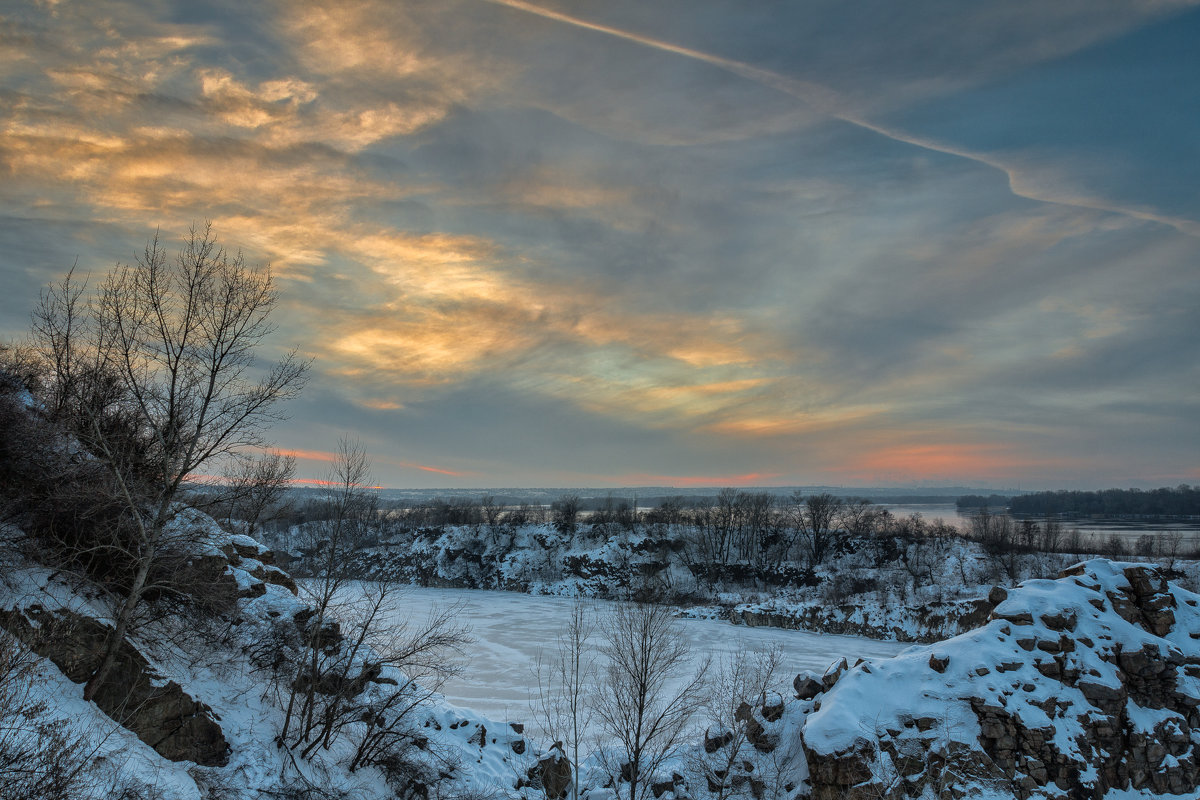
column 1075, row 687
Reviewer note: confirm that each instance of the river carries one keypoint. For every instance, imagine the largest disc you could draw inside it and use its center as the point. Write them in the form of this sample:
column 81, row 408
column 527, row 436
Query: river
column 1095, row 528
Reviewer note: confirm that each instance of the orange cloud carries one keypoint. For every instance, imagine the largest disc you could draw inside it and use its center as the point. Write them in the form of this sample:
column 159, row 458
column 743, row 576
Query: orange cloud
column 427, row 310
column 328, row 457
column 438, row 470
column 967, row 461
column 320, row 482
column 308, row 455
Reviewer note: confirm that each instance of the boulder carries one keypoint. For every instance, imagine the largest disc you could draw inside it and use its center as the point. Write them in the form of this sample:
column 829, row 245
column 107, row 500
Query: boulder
column 553, row 773
column 807, row 686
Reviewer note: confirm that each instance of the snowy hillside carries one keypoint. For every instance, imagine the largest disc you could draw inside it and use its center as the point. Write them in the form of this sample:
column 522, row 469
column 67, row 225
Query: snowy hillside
column 202, row 708
column 1088, row 683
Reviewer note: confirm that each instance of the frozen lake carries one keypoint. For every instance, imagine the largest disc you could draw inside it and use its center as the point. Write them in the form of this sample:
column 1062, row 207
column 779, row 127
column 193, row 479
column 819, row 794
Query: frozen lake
column 510, row 629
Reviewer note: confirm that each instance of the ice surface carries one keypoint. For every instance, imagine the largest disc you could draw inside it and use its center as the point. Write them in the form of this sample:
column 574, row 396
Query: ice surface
column 510, row 629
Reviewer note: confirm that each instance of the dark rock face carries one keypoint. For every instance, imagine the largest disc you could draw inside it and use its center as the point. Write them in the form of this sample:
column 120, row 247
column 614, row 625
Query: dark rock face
column 1079, row 686
column 553, row 774
column 923, row 624
column 163, row 716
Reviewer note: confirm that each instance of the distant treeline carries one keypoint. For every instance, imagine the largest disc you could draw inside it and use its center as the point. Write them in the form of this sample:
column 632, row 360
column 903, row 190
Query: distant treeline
column 908, row 499
column 1181, row 500
column 992, row 501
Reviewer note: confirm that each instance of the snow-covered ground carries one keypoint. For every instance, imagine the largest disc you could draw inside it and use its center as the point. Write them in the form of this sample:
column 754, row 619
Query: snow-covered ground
column 510, row 628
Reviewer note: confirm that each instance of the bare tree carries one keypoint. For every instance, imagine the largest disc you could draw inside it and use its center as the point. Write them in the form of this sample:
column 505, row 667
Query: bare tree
column 493, row 514
column 156, row 376
column 421, row 658
column 564, row 677
column 333, row 541
column 734, row 740
column 859, row 517
column 645, row 698
column 361, row 666
column 256, row 486
column 755, row 528
column 815, row 518
column 44, row 757
column 566, row 513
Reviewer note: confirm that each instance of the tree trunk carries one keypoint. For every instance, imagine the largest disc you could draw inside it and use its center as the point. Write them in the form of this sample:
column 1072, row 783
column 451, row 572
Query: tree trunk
column 124, row 616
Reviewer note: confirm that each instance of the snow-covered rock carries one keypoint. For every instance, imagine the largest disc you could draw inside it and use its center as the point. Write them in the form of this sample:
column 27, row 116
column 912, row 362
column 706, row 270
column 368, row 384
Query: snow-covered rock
column 1077, row 687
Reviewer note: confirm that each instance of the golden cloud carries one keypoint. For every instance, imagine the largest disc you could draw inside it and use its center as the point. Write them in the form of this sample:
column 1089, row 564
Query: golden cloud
column 272, row 163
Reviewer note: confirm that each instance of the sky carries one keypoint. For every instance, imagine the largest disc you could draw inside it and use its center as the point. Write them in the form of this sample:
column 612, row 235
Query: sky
column 701, row 243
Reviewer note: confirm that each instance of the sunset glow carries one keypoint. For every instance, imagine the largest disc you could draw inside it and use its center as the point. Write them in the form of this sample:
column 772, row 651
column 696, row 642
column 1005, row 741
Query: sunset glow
column 568, row 244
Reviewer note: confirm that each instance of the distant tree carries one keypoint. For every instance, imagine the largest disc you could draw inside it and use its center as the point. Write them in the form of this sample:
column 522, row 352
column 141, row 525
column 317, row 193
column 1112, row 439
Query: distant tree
column 565, row 511
column 759, row 532
column 256, row 487
column 815, row 517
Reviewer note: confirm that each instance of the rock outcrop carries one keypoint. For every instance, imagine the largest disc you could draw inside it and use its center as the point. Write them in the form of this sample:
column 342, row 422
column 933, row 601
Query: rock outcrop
column 161, row 714
column 1075, row 687
column 928, row 623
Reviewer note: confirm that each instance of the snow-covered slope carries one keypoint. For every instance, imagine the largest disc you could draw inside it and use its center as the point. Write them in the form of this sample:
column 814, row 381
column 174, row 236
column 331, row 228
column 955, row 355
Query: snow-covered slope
column 220, row 670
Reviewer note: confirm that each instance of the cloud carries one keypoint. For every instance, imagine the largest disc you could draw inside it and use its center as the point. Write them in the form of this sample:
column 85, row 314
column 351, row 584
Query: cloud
column 747, row 479
column 1035, row 182
column 329, row 457
column 634, row 239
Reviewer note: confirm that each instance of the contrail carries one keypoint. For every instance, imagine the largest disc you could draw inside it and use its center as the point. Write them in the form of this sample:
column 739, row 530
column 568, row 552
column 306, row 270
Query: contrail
column 827, row 101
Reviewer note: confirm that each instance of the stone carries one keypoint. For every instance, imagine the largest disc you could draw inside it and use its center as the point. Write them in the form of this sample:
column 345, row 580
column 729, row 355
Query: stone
column 553, row 773
column 1145, row 580
column 997, row 595
column 1059, row 621
column 1004, row 755
column 274, row 576
column 835, row 671
column 807, row 687
column 714, row 743
column 662, row 787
